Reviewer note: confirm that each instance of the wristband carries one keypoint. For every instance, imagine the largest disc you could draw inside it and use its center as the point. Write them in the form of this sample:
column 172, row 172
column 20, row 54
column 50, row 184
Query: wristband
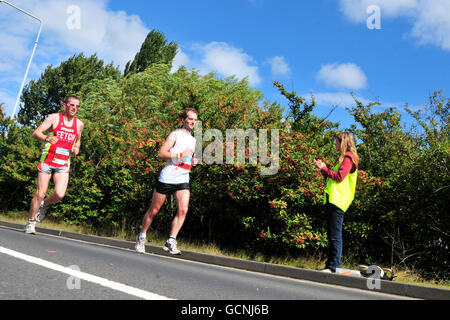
column 179, row 156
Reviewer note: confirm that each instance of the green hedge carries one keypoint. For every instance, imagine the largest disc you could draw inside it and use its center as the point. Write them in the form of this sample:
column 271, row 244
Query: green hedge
column 398, row 217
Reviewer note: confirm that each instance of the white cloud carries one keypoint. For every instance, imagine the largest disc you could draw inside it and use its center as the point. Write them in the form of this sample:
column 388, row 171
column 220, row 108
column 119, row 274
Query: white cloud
column 345, row 76
column 113, row 35
column 181, row 59
column 219, row 57
column 8, row 99
column 430, row 18
column 355, row 10
column 279, row 66
column 227, row 61
column 10, row 44
column 433, row 24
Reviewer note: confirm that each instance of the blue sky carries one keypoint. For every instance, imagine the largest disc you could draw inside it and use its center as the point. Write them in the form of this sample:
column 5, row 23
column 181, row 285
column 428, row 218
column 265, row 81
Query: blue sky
column 323, row 47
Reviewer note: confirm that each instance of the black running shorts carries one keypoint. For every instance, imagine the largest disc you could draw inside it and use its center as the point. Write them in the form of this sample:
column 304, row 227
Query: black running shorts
column 168, row 188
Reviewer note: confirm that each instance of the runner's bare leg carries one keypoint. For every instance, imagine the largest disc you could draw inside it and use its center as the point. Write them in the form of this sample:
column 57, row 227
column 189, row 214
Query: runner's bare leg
column 182, row 197
column 42, row 186
column 157, row 202
column 61, row 180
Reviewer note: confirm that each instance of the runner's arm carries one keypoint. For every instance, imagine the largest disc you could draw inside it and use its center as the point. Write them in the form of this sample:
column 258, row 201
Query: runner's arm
column 45, row 126
column 77, row 144
column 164, row 152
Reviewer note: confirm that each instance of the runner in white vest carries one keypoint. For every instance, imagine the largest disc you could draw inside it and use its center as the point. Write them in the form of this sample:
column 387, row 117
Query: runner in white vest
column 178, row 151
column 177, row 170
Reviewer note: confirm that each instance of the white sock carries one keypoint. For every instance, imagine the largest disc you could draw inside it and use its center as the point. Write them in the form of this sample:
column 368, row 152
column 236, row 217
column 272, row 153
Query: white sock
column 142, row 235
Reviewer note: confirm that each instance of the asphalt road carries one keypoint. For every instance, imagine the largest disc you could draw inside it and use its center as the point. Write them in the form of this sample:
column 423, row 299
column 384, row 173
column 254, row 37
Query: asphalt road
column 44, row 267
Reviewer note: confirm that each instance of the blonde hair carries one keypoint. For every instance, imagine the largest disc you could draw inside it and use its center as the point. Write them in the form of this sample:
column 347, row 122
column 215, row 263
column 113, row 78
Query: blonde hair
column 347, row 143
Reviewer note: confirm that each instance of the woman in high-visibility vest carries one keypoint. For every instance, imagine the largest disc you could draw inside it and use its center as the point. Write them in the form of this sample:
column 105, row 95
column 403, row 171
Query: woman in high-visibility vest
column 339, row 194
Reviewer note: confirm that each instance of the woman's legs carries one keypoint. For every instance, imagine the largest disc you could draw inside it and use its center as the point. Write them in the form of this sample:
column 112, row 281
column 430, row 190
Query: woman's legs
column 335, row 219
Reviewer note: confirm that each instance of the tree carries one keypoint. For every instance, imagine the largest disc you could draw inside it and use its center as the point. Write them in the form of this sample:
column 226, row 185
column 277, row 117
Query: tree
column 299, row 110
column 18, row 151
column 154, row 49
column 409, row 215
column 126, row 123
column 43, row 96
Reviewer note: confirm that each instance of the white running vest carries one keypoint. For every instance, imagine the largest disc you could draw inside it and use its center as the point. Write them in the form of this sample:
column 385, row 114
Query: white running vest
column 178, row 172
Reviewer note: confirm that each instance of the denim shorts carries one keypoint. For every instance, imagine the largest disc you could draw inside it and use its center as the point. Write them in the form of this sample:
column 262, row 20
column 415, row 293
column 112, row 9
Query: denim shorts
column 45, row 168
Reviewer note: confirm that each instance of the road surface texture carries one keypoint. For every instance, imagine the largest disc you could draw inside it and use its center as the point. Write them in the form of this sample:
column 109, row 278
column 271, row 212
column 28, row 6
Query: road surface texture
column 45, row 267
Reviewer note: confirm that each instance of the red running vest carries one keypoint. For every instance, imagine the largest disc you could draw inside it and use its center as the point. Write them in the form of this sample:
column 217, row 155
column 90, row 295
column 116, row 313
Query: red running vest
column 57, row 155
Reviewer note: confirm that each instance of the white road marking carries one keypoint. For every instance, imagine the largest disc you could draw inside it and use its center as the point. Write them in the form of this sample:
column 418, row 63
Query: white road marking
column 85, row 276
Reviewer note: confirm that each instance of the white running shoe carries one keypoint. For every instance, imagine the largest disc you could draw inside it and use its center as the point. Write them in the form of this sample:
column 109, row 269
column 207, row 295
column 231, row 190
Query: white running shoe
column 171, row 246
column 327, row 270
column 40, row 215
column 30, row 227
column 140, row 245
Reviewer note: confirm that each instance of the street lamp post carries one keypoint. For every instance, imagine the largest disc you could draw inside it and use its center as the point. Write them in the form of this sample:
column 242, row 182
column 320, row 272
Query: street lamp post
column 32, row 54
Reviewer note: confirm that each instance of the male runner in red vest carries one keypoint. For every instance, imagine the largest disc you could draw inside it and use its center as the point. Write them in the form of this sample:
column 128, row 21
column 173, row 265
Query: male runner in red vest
column 63, row 138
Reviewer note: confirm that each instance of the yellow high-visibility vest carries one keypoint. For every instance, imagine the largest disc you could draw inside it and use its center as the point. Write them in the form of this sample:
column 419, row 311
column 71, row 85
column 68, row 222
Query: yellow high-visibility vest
column 341, row 194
